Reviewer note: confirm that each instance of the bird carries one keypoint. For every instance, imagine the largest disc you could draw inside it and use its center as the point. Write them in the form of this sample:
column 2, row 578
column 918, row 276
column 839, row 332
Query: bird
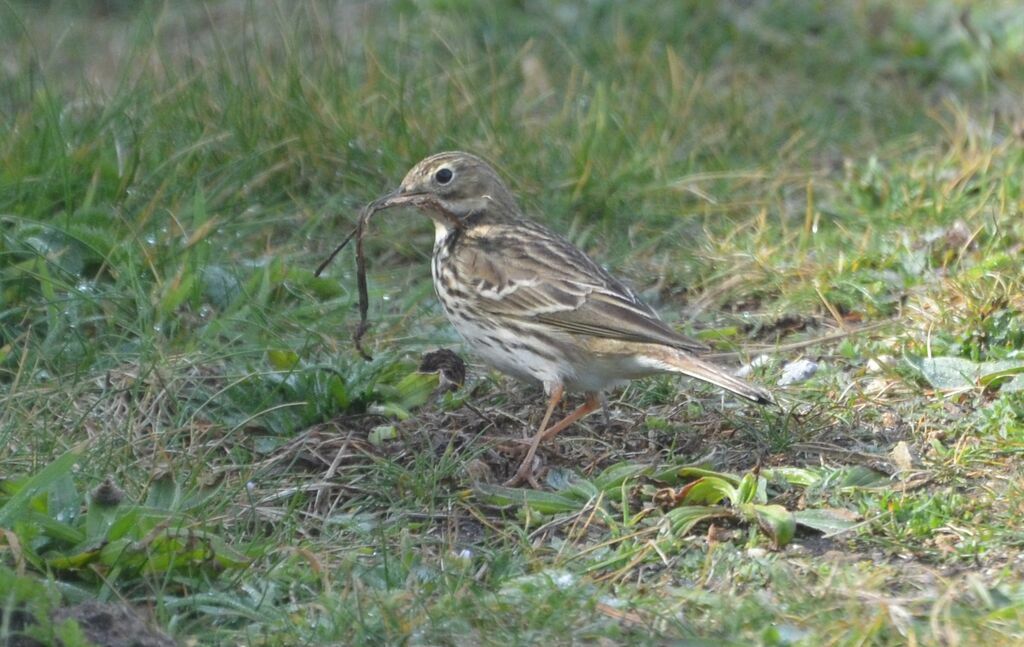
column 535, row 306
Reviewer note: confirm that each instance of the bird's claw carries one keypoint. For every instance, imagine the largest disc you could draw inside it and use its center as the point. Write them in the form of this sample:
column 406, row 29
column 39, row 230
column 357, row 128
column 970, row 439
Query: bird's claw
column 524, row 474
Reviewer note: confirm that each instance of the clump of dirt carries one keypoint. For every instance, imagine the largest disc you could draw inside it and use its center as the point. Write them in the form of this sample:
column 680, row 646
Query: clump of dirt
column 112, row 625
column 104, row 625
column 780, row 327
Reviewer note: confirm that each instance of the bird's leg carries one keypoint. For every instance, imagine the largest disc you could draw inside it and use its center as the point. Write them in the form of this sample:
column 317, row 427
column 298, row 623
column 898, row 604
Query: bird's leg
column 592, row 404
column 525, row 471
column 602, row 398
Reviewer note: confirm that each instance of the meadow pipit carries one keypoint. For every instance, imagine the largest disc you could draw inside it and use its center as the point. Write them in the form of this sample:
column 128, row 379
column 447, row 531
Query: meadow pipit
column 532, row 304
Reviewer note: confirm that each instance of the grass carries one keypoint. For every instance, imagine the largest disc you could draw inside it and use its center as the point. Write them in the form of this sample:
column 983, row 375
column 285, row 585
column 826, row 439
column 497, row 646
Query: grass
column 763, row 173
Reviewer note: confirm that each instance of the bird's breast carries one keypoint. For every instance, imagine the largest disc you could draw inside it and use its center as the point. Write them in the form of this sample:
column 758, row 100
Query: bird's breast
column 514, row 347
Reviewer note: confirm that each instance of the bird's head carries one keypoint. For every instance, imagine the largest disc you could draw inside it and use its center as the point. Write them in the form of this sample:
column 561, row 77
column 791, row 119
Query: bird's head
column 450, row 187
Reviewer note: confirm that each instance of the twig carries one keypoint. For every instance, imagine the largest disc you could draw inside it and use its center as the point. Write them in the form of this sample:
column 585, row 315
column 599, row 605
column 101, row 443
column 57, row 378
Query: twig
column 426, row 202
column 364, row 299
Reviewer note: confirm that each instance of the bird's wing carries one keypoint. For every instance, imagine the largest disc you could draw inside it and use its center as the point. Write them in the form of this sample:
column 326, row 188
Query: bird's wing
column 523, row 271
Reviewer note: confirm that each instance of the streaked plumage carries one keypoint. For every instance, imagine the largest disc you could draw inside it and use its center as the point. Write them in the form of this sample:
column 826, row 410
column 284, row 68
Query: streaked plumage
column 531, row 303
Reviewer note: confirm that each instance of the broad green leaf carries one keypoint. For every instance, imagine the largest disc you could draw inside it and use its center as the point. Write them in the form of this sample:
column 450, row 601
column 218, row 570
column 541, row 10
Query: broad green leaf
column 56, row 530
column 199, row 213
column 717, row 334
column 746, row 491
column 543, row 502
column 685, row 517
column 708, row 490
column 43, row 479
column 415, row 389
column 761, row 492
column 283, row 359
column 220, row 286
column 949, row 373
column 390, row 410
column 581, row 490
column 339, row 391
column 827, row 520
column 859, row 476
column 225, row 555
column 381, row 434
column 776, row 521
column 214, row 605
column 615, row 475
column 73, row 561
column 697, row 472
column 98, row 520
column 321, row 287
column 128, row 524
column 800, row 476
column 845, row 479
column 1014, row 384
column 63, row 502
column 119, row 553
column 163, row 493
column 680, row 473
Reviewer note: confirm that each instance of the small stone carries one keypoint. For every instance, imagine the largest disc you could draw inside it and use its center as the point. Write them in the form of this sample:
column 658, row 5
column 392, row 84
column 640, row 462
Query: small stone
column 757, row 362
column 958, row 235
column 478, row 471
column 890, row 421
column 798, row 371
column 902, row 457
column 879, row 364
column 877, row 386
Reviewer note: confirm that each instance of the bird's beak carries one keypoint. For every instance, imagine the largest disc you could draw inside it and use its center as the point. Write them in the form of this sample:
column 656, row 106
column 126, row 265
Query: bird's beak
column 425, row 202
column 396, row 198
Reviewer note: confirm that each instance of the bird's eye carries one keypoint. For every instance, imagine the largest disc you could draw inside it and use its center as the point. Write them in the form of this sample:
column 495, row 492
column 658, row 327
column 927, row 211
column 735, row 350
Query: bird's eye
column 444, row 175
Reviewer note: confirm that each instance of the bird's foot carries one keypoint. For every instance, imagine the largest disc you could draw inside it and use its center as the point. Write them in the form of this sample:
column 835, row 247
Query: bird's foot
column 525, row 474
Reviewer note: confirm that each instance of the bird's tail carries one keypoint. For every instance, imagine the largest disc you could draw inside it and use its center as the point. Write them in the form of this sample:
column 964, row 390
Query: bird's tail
column 679, row 362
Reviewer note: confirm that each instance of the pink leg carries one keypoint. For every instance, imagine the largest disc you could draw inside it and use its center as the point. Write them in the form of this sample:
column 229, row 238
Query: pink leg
column 525, row 471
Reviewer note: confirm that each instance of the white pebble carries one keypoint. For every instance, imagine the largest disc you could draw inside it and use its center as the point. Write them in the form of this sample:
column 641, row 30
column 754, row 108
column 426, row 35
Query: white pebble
column 757, row 362
column 798, row 371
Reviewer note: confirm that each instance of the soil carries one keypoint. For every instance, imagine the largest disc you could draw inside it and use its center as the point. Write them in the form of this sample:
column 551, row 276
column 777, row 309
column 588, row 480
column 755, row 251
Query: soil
column 104, row 625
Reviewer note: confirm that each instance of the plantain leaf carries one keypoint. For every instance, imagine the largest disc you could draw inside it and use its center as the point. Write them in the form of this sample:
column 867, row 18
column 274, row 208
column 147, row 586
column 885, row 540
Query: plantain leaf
column 543, row 502
column 615, row 475
column 827, row 520
column 776, row 521
column 746, row 491
column 282, row 359
column 52, row 473
column 951, row 373
column 581, row 490
column 708, row 490
column 802, row 476
column 75, row 561
column 415, row 389
column 679, row 473
column 685, row 517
